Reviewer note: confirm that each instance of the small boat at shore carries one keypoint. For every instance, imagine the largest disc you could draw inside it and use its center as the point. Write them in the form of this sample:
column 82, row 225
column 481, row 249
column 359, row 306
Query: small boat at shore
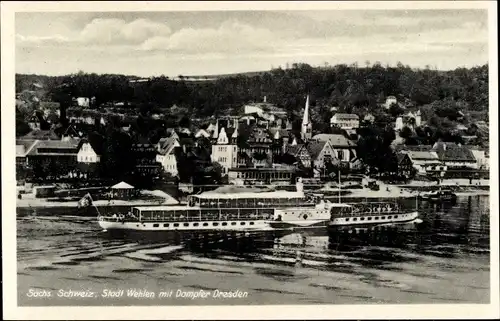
column 441, row 195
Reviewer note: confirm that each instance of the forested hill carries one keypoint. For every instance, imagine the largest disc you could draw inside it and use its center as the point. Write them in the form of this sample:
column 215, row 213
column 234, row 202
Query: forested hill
column 351, row 88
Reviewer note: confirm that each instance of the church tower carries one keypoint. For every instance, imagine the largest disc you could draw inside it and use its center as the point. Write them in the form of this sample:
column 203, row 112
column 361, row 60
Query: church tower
column 306, row 129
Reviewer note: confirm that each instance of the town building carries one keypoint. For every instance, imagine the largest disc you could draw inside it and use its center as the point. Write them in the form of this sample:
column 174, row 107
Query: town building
column 144, row 153
column 89, row 152
column 52, row 158
column 321, row 153
column 277, row 175
column 455, row 156
column 301, row 154
column 405, row 165
column 481, row 155
column 345, row 121
column 344, row 150
column 166, row 156
column 389, row 101
column 256, row 151
column 225, row 150
column 265, row 115
column 23, row 147
column 425, row 162
column 411, row 120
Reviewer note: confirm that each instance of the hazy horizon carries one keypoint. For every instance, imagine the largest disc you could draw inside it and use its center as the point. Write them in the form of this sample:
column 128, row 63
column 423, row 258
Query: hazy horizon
column 148, row 44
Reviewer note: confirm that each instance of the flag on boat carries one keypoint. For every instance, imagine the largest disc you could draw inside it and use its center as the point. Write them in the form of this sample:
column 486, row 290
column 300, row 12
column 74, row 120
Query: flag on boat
column 85, row 201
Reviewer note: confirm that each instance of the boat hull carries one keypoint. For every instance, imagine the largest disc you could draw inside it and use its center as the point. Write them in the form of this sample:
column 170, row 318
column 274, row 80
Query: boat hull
column 374, row 222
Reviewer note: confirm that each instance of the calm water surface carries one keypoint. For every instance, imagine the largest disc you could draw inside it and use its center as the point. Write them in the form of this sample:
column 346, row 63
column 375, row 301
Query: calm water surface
column 447, row 261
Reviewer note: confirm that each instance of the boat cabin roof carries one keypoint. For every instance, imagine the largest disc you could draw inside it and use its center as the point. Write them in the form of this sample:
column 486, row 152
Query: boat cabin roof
column 277, row 194
column 164, row 208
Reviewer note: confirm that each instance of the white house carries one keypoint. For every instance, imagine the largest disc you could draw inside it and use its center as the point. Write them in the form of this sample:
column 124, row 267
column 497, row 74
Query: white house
column 389, row 101
column 83, row 101
column 88, row 154
column 345, row 121
column 425, row 161
column 410, row 120
column 166, row 154
column 225, row 150
column 481, row 156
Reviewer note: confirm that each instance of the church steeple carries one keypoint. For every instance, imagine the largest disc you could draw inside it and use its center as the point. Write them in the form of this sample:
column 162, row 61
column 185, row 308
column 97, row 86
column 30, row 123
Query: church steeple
column 306, row 129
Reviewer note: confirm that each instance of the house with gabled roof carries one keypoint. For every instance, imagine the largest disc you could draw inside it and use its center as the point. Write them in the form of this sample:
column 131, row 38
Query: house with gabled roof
column 455, row 155
column 166, row 154
column 321, row 152
column 301, row 153
column 345, row 121
column 344, row 149
column 89, row 151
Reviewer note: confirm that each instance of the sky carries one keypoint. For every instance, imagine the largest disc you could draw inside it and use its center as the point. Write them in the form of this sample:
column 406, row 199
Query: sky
column 219, row 42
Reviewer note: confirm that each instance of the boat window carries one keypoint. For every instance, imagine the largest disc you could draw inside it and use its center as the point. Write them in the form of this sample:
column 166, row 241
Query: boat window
column 186, row 224
column 156, row 225
column 196, row 224
column 369, row 218
column 355, row 219
column 166, row 225
column 215, row 224
column 205, row 224
column 389, row 216
column 233, row 223
column 376, row 217
column 362, row 219
column 176, row 224
column 243, row 223
column 383, row 217
column 395, row 216
column 251, row 223
column 347, row 219
column 224, row 223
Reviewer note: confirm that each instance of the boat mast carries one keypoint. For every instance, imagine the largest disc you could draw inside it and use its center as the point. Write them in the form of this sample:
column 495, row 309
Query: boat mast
column 92, row 200
column 339, row 186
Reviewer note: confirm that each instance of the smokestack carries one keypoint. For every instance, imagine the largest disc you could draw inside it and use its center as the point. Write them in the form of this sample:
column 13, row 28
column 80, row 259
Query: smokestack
column 284, row 145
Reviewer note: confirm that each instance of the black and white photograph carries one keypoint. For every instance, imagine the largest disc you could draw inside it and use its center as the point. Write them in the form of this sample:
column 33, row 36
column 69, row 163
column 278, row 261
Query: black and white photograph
column 308, row 157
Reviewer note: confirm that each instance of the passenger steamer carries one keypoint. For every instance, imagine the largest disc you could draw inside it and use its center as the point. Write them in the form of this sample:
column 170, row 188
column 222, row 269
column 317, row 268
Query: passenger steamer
column 216, row 213
column 248, row 214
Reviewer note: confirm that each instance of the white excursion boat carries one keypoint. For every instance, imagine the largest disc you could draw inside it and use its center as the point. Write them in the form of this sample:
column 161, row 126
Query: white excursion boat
column 372, row 216
column 214, row 213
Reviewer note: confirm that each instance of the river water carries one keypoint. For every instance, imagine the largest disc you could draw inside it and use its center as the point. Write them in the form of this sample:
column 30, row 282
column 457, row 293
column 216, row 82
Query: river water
column 446, row 261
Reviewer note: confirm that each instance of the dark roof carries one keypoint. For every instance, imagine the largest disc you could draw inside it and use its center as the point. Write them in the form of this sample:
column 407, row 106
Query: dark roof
column 58, row 147
column 335, row 140
column 453, row 152
column 95, row 143
column 346, row 116
column 401, row 157
column 282, row 132
column 315, row 147
column 41, row 134
column 165, row 145
column 294, row 149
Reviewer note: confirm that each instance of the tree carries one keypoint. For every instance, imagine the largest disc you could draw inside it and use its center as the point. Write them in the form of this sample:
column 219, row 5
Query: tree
column 406, row 132
column 395, row 110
